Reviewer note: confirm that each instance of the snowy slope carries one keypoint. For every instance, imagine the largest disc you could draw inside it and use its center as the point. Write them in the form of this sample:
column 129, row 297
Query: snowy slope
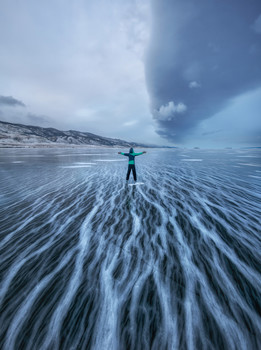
column 19, row 135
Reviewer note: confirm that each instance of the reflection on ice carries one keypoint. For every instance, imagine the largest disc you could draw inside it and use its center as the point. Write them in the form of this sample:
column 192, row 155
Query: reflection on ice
column 75, row 166
column 192, row 160
column 249, row 164
column 110, row 160
column 247, row 156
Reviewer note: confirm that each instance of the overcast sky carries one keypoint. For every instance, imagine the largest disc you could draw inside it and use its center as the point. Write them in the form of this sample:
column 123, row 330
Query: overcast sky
column 179, row 72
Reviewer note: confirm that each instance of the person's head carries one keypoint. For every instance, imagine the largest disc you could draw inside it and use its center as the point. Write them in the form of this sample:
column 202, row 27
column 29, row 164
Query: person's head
column 131, row 150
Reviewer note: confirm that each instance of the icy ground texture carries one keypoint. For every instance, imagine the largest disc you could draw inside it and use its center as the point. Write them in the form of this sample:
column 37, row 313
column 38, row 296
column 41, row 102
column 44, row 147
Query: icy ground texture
column 90, row 263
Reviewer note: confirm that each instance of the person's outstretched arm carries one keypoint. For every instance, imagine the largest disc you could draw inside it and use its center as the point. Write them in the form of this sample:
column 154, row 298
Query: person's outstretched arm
column 124, row 154
column 138, row 154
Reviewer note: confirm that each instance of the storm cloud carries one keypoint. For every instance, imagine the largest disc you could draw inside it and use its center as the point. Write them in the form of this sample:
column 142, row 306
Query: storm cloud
column 10, row 101
column 166, row 72
column 202, row 55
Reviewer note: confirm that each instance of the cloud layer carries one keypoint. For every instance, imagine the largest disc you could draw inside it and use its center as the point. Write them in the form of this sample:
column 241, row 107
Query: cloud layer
column 202, row 54
column 81, row 63
column 130, row 68
column 10, row 101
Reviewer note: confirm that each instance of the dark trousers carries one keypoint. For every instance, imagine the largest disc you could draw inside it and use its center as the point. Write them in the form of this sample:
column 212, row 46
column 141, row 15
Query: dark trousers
column 131, row 167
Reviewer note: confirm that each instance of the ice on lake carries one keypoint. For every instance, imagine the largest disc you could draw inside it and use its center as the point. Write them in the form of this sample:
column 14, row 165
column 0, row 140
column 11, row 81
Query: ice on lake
column 90, row 263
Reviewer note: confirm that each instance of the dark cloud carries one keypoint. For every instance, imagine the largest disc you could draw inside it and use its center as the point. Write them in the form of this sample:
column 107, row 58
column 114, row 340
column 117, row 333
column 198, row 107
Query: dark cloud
column 10, row 101
column 201, row 56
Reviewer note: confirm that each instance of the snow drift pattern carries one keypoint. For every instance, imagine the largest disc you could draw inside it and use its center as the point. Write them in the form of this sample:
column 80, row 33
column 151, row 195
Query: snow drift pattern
column 89, row 263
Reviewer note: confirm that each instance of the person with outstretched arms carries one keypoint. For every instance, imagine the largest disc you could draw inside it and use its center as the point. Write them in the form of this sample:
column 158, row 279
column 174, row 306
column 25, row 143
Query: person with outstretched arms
column 131, row 166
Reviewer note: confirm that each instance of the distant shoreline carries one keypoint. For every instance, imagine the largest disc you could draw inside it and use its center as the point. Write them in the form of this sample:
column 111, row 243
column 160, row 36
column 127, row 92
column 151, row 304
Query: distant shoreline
column 4, row 146
column 49, row 145
column 73, row 146
column 28, row 136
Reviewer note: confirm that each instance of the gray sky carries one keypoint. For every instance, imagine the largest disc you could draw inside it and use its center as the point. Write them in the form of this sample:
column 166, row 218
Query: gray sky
column 166, row 72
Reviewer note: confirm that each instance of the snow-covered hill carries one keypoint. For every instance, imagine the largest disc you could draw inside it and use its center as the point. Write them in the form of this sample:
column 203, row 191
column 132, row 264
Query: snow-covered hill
column 19, row 135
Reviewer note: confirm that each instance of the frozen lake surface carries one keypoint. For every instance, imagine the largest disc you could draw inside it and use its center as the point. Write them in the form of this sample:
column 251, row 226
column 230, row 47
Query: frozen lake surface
column 88, row 262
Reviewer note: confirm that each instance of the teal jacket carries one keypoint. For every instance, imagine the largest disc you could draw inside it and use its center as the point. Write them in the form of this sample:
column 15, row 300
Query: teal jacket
column 131, row 156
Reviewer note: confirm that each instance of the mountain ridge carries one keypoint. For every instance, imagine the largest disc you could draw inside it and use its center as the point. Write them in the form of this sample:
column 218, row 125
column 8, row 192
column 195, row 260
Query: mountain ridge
column 21, row 135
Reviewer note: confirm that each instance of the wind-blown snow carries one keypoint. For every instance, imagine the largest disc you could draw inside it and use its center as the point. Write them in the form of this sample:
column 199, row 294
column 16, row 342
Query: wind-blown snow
column 88, row 262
